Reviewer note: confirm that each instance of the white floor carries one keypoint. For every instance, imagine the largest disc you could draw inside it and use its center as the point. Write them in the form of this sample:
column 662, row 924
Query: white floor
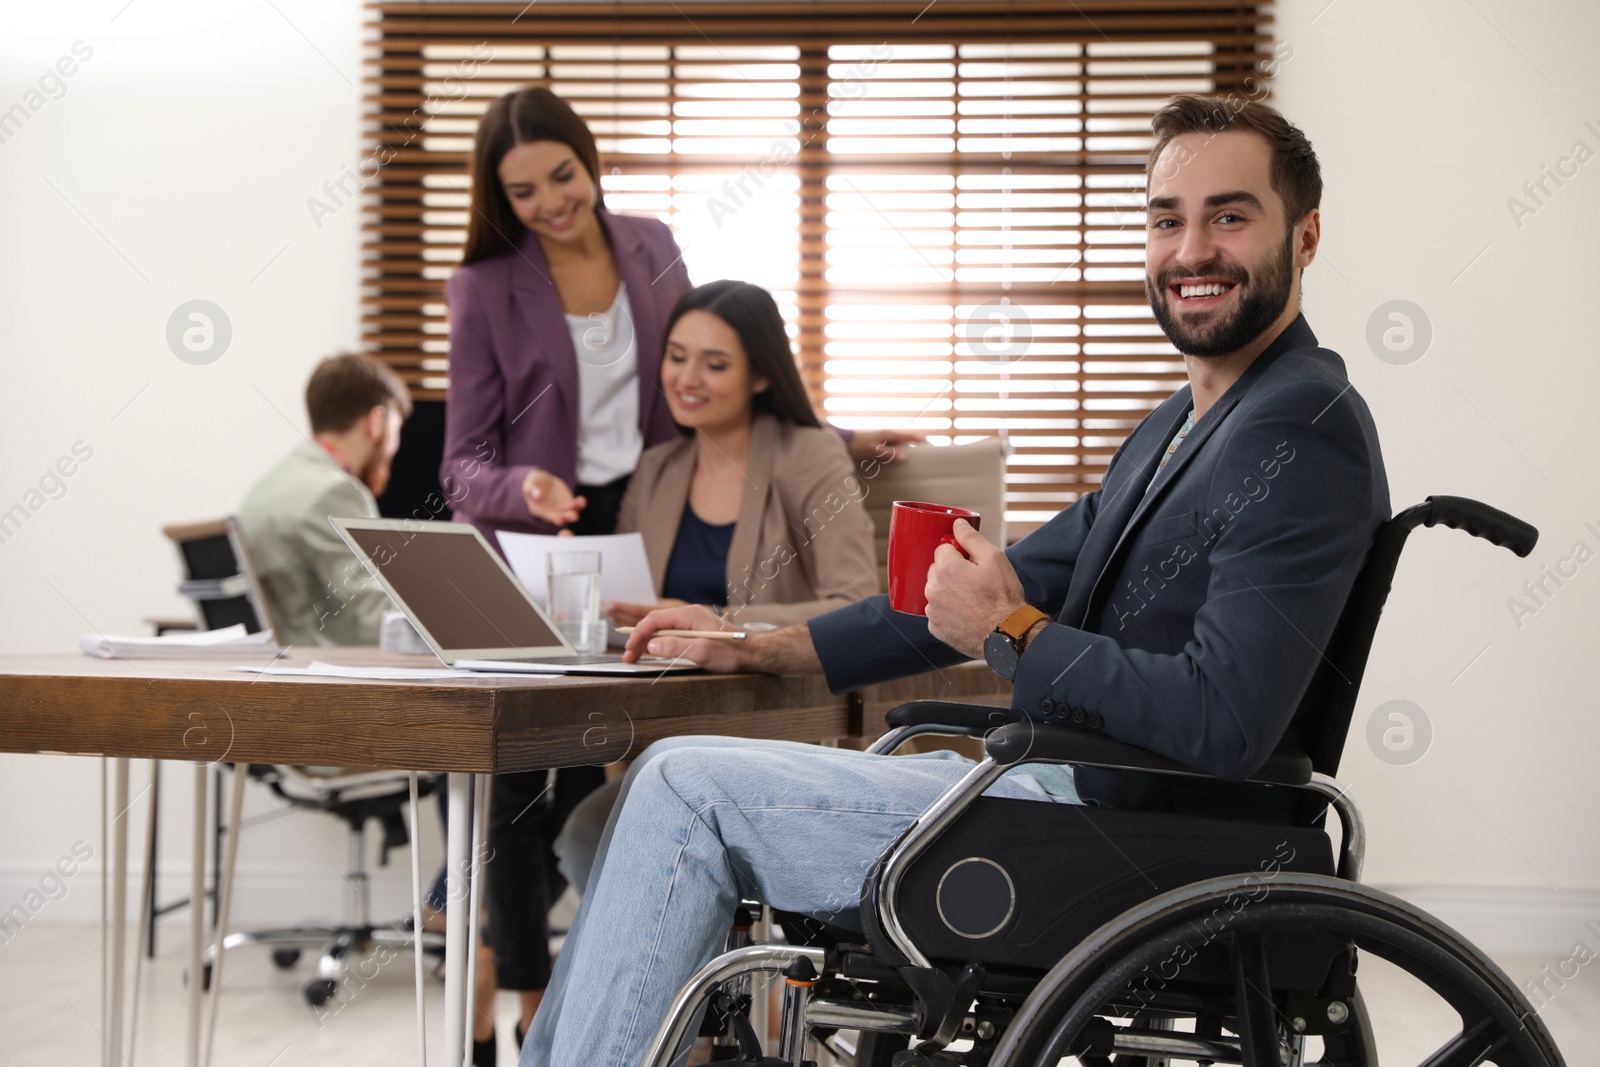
column 50, row 996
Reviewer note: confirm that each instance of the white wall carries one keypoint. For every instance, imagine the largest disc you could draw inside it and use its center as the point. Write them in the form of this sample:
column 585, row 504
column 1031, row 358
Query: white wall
column 1428, row 116
column 193, row 136
column 181, row 156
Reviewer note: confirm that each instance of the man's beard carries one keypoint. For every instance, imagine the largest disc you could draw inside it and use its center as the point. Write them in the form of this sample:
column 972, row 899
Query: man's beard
column 1261, row 301
column 375, row 473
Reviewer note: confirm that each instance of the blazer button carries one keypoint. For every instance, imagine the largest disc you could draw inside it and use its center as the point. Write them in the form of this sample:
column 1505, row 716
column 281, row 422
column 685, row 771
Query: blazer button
column 1095, row 721
column 1077, row 716
column 1047, row 706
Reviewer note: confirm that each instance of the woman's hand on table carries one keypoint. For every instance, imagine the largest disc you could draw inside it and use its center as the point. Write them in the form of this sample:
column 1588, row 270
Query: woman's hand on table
column 549, row 498
column 623, row 613
column 880, row 445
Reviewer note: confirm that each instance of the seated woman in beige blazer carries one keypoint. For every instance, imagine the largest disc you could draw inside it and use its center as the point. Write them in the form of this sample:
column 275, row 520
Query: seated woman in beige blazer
column 756, row 509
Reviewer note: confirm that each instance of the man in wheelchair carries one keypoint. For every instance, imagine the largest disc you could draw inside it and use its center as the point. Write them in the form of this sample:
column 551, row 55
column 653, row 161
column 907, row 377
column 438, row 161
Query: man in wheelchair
column 1193, row 607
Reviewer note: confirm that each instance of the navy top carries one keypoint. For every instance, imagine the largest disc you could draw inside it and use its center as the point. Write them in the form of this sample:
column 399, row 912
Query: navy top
column 698, row 568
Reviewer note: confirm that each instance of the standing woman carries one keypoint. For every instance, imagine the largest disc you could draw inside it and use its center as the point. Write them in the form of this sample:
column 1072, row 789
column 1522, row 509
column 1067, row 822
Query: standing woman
column 556, row 315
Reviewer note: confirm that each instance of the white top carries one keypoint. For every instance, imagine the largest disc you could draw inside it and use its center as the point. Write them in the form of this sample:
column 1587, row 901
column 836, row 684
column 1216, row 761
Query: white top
column 609, row 441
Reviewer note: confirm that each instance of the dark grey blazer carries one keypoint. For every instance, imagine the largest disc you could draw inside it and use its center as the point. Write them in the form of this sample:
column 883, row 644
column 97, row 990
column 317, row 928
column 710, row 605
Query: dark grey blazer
column 1189, row 619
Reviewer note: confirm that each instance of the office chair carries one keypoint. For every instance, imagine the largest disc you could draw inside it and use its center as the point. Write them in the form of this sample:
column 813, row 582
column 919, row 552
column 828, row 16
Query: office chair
column 1000, row 933
column 221, row 583
column 970, row 476
column 222, row 592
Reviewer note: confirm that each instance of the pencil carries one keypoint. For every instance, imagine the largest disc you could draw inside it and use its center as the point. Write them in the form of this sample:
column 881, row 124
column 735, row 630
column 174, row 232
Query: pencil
column 714, row 635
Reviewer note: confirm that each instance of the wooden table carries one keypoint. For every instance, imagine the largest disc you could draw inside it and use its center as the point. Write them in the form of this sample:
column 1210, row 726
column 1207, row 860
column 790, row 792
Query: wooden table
column 207, row 712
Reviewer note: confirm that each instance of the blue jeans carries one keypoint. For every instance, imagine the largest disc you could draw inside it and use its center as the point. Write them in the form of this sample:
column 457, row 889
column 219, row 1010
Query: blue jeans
column 703, row 823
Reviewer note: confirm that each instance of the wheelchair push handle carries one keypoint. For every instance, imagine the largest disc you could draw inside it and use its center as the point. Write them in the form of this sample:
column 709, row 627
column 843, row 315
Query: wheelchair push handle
column 1473, row 517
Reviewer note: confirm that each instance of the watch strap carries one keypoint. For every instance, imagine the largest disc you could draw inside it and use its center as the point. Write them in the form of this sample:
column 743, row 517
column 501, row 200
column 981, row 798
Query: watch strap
column 1019, row 622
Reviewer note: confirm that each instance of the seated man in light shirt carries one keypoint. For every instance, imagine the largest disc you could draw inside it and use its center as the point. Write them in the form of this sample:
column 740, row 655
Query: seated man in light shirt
column 317, row 592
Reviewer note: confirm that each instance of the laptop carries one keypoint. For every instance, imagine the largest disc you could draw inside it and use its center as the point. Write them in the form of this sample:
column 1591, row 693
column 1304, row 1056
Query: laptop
column 466, row 603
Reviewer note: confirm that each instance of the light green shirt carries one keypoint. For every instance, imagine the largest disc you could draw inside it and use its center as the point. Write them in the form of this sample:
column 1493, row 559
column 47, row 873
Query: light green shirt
column 317, row 591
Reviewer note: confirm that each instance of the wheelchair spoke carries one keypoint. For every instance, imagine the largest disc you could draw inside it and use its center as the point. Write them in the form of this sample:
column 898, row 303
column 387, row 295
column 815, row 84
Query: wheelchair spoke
column 1252, row 990
column 1470, row 1047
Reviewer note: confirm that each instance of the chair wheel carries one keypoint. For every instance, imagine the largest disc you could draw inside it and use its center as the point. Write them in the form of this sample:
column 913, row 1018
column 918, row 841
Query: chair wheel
column 284, row 958
column 320, row 990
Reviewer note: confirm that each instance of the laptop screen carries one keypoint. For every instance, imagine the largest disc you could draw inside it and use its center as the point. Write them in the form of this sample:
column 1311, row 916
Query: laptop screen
column 454, row 588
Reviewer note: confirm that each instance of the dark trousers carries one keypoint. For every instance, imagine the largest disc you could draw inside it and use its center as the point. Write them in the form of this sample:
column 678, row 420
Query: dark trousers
column 526, row 814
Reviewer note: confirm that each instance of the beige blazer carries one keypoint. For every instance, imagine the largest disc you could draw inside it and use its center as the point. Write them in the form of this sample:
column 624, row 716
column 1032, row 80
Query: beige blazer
column 803, row 541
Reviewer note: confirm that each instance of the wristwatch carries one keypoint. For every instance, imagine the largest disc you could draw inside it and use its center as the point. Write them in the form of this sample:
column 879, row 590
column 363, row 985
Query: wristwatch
column 1003, row 648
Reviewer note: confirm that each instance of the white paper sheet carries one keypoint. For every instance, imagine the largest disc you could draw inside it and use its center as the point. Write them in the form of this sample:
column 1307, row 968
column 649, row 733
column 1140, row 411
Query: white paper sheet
column 319, row 669
column 624, row 569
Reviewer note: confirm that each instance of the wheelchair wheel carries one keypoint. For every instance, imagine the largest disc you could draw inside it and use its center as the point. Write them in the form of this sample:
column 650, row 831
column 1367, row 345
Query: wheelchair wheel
column 1081, row 1007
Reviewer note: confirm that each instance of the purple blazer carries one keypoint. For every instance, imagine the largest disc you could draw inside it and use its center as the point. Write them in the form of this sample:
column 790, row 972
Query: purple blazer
column 513, row 403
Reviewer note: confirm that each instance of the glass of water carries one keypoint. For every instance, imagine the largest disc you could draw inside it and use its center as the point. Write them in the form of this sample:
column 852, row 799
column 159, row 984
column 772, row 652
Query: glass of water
column 575, row 599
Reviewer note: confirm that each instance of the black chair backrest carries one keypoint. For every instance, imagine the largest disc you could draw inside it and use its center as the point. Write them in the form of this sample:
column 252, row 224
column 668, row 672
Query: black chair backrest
column 215, row 577
column 1322, row 720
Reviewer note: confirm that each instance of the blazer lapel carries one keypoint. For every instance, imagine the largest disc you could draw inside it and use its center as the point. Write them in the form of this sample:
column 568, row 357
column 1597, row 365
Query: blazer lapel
column 671, row 494
column 1296, row 335
column 1118, row 505
column 542, row 315
column 758, row 486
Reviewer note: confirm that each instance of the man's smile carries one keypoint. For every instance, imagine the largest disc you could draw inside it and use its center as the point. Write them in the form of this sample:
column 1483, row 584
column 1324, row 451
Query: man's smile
column 1201, row 293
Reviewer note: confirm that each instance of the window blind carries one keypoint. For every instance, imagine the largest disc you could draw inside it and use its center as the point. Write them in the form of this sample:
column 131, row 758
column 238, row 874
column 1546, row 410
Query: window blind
column 946, row 199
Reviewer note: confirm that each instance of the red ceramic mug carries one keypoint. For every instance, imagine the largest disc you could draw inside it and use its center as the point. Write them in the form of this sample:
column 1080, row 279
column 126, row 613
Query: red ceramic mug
column 916, row 529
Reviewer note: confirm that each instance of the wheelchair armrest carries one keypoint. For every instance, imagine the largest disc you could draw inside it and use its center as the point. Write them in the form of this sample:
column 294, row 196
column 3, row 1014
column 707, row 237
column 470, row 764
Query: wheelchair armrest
column 1035, row 742
column 969, row 718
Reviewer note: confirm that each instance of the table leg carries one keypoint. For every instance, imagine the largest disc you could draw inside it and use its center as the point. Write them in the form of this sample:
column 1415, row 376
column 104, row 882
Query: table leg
column 416, row 924
column 119, row 906
column 151, row 849
column 105, row 910
column 197, row 917
column 480, row 822
column 147, row 906
column 462, row 866
column 219, row 929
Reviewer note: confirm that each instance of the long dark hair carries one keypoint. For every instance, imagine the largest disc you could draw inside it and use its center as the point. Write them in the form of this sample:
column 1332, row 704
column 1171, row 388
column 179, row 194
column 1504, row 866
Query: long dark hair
column 754, row 316
column 532, row 114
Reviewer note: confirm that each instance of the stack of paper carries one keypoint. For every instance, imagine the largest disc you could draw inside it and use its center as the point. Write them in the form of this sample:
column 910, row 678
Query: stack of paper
column 226, row 643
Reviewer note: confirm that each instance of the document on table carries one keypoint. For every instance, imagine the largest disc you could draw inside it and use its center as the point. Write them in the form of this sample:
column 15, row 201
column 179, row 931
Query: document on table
column 624, row 569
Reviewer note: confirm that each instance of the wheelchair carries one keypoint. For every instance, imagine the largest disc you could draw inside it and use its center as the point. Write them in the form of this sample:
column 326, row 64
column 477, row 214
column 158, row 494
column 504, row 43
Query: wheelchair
column 1006, row 933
